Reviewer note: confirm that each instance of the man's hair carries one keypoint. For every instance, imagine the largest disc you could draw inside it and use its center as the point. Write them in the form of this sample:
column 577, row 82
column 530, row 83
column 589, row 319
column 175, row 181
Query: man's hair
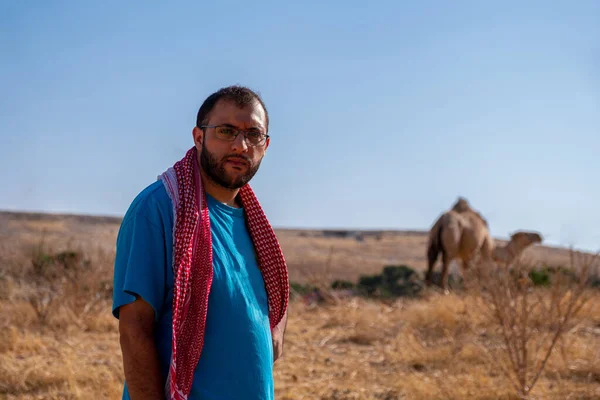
column 240, row 95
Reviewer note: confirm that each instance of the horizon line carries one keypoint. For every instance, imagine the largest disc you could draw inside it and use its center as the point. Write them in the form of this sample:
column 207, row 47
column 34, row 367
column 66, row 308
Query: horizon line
column 422, row 231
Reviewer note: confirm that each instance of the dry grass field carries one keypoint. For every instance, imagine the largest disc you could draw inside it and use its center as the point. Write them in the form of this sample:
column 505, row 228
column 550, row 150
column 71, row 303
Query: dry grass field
column 58, row 339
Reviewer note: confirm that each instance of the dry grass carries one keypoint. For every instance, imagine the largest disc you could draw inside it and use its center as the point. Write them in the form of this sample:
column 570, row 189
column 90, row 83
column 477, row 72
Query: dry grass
column 420, row 349
column 433, row 347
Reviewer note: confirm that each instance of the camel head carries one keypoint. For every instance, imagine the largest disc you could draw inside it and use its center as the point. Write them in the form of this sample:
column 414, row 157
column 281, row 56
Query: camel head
column 523, row 239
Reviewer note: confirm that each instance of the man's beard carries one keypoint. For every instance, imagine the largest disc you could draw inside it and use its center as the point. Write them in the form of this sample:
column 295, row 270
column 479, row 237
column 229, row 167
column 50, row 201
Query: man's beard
column 215, row 170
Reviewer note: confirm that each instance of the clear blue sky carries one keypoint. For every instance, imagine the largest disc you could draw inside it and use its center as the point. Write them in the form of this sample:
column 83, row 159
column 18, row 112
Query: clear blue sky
column 382, row 113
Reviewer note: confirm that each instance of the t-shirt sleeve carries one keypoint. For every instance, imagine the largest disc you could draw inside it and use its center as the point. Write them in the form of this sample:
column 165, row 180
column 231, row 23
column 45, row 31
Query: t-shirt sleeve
column 140, row 264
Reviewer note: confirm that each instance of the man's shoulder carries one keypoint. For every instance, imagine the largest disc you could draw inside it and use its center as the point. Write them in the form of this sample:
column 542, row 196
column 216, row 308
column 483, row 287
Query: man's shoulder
column 152, row 203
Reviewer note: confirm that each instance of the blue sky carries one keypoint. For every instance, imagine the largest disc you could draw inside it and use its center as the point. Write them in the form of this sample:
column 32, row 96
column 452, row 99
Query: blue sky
column 382, row 113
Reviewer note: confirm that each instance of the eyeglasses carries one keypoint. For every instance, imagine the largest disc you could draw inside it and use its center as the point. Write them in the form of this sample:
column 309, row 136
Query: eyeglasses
column 229, row 134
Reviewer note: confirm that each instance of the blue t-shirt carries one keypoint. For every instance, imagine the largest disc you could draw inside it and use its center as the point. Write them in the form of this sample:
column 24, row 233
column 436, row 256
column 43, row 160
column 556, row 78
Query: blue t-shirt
column 237, row 356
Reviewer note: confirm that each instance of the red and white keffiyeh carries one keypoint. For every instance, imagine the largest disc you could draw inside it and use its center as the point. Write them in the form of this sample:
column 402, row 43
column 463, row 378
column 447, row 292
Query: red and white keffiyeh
column 193, row 268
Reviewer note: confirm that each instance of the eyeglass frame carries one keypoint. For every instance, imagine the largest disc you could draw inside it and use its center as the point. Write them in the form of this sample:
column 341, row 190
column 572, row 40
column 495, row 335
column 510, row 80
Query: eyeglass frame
column 238, row 131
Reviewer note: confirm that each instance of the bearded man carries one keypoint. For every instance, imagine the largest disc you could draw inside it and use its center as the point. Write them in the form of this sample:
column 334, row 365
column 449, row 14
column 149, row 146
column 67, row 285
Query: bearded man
column 200, row 282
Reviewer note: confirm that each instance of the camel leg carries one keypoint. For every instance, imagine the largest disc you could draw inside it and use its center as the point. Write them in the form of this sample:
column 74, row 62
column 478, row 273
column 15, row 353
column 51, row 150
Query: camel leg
column 432, row 256
column 429, row 274
column 445, row 271
column 465, row 266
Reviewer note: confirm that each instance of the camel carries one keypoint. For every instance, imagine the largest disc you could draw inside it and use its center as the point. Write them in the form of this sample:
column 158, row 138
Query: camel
column 462, row 233
column 519, row 241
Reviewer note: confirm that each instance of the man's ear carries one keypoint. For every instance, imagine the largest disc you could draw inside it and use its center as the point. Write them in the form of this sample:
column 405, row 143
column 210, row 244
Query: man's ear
column 198, row 135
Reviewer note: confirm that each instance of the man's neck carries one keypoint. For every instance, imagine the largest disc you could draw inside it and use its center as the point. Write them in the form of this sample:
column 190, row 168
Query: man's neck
column 219, row 193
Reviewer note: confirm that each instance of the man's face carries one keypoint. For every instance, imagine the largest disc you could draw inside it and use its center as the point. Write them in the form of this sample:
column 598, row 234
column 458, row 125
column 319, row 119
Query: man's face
column 231, row 164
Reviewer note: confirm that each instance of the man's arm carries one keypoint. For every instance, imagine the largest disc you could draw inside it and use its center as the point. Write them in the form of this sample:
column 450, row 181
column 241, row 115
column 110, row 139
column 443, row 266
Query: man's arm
column 277, row 334
column 140, row 356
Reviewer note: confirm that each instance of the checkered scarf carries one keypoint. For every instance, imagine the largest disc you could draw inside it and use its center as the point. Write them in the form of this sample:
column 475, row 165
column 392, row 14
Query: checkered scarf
column 193, row 268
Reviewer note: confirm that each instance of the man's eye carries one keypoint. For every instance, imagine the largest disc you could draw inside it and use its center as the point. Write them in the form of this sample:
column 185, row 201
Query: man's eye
column 254, row 135
column 226, row 131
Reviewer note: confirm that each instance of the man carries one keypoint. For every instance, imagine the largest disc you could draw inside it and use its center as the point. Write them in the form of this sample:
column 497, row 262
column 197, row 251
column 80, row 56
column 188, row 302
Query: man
column 200, row 283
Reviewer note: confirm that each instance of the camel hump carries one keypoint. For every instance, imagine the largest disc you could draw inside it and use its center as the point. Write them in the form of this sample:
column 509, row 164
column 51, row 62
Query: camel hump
column 461, row 205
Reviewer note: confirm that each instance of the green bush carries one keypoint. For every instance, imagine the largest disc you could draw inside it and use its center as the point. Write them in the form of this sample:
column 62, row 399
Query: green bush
column 368, row 284
column 394, row 281
column 300, row 289
column 540, row 277
column 342, row 284
column 544, row 276
column 393, row 273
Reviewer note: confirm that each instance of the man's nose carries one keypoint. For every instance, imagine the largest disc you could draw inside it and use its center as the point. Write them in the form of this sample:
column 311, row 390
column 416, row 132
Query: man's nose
column 239, row 144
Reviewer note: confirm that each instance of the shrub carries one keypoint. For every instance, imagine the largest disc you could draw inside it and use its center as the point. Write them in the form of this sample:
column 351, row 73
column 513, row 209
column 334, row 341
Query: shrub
column 342, row 284
column 393, row 273
column 540, row 277
column 368, row 284
column 299, row 289
column 394, row 281
column 531, row 321
column 544, row 276
column 64, row 280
